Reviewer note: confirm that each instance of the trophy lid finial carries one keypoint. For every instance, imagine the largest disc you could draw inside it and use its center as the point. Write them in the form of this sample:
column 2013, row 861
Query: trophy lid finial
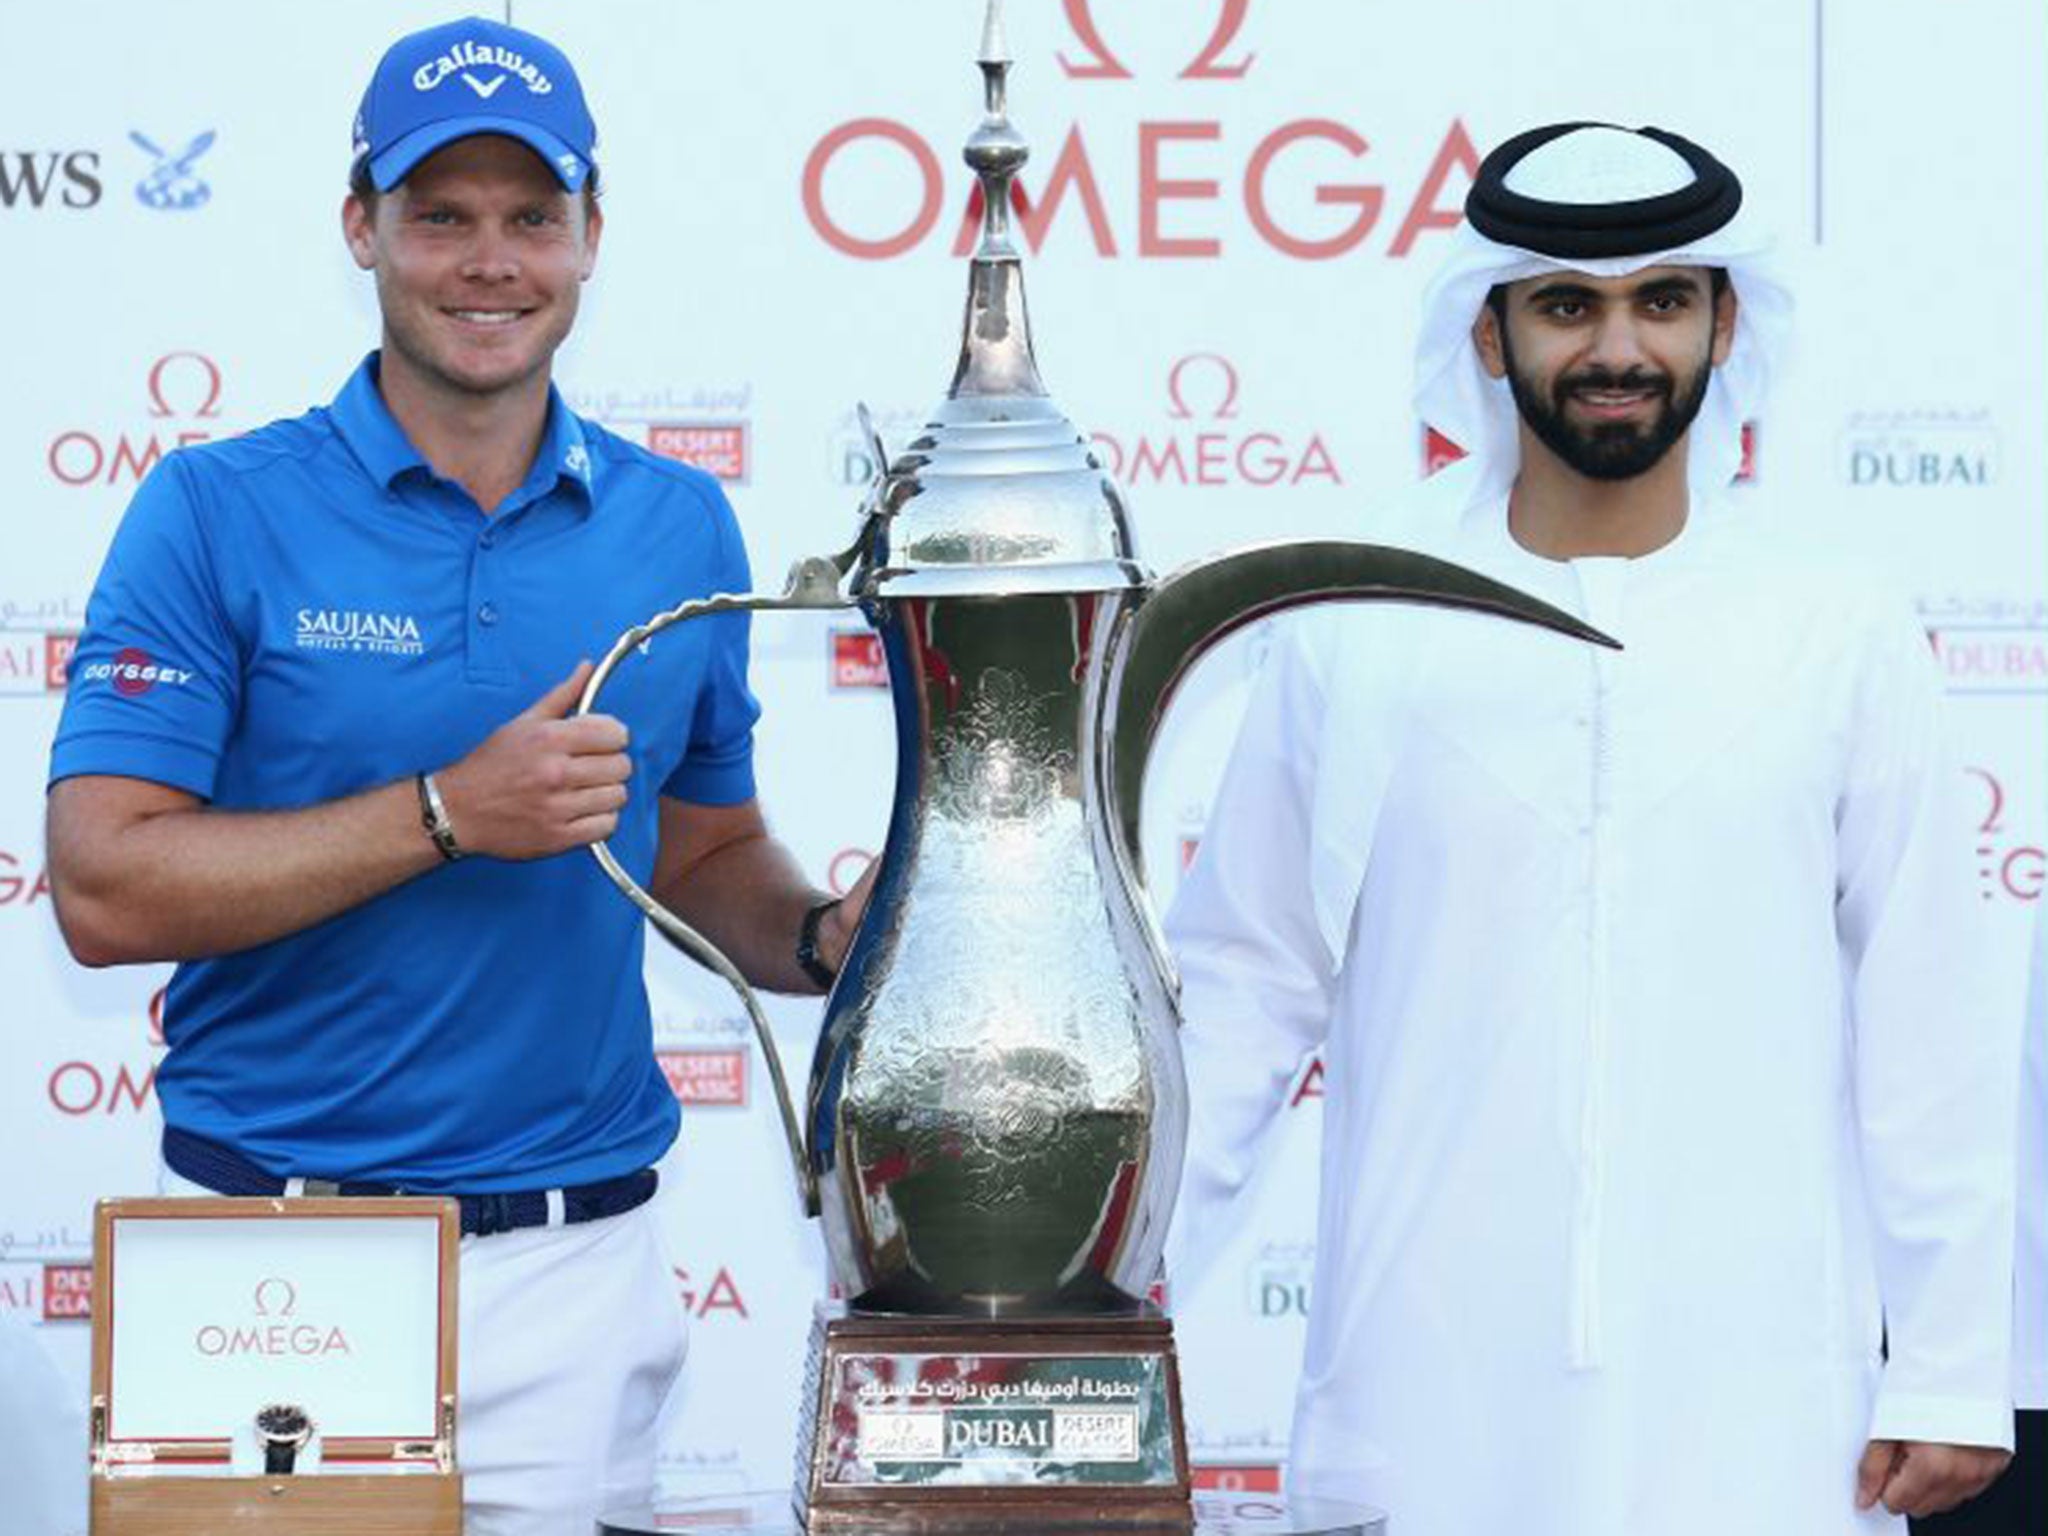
column 995, row 48
column 995, row 355
column 1000, row 492
column 996, row 151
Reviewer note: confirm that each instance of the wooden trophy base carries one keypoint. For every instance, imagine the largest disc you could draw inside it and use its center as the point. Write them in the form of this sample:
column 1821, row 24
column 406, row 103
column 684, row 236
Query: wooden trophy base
column 316, row 1504
column 928, row 1424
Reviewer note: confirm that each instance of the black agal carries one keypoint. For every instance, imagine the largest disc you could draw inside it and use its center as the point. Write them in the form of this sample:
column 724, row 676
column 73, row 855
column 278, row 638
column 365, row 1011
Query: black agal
column 1665, row 222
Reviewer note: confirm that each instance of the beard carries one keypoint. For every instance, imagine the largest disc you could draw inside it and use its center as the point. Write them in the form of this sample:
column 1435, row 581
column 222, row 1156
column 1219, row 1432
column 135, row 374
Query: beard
column 1608, row 450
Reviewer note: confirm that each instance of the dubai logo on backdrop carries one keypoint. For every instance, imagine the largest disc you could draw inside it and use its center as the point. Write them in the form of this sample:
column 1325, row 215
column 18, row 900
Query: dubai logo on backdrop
column 1989, row 645
column 1181, row 168
column 172, row 185
column 1277, row 1281
column 853, row 451
column 37, row 639
column 1917, row 450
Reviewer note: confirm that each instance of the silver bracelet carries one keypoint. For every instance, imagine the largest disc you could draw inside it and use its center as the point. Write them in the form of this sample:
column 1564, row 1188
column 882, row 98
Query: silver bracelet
column 434, row 817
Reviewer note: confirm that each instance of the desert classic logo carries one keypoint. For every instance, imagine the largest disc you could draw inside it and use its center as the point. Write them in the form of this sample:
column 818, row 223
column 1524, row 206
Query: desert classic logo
column 67, row 1293
column 357, row 630
column 1180, row 175
column 718, row 448
column 715, row 1079
column 1208, row 442
column 59, row 646
column 708, row 427
column 857, row 660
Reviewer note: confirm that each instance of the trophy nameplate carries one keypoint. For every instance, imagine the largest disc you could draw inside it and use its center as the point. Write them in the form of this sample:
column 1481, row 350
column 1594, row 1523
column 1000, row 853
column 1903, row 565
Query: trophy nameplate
column 918, row 1422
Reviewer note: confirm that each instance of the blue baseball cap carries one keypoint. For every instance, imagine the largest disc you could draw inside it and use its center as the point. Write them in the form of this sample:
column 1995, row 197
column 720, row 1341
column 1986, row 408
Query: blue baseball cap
column 468, row 77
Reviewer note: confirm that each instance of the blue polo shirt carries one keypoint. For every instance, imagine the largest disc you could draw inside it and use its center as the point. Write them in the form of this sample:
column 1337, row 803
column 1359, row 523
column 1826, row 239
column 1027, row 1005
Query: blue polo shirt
column 309, row 611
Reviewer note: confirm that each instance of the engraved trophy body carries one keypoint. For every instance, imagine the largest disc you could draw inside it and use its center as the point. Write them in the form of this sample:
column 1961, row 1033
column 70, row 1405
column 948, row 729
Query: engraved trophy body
column 996, row 1111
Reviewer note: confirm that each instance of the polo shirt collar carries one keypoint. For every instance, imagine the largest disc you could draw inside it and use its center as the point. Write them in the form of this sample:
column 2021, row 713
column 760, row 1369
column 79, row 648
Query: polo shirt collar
column 379, row 443
column 372, row 433
column 564, row 457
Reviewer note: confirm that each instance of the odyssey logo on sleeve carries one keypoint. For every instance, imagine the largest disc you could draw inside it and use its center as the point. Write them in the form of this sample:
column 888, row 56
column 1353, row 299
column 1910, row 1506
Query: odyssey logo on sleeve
column 354, row 629
column 134, row 672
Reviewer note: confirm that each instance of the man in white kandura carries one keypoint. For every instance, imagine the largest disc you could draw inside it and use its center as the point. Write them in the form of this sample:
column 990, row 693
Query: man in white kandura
column 1661, row 1083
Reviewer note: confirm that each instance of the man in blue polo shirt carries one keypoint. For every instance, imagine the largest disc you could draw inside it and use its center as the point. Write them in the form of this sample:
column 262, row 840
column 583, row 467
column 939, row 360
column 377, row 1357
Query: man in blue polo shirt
column 319, row 749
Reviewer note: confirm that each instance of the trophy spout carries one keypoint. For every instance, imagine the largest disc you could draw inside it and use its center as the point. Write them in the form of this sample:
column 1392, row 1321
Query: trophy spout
column 1199, row 604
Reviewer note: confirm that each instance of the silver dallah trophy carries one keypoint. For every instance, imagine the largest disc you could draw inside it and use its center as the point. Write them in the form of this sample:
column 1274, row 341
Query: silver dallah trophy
column 997, row 1107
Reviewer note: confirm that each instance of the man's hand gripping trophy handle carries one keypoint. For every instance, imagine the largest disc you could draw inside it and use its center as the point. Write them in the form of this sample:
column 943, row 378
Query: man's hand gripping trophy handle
column 546, row 781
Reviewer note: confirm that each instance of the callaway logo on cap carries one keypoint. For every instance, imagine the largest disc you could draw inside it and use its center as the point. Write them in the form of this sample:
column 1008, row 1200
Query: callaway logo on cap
column 471, row 77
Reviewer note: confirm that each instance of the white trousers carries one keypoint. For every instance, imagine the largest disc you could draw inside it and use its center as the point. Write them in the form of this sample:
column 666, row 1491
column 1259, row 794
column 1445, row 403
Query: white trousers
column 571, row 1338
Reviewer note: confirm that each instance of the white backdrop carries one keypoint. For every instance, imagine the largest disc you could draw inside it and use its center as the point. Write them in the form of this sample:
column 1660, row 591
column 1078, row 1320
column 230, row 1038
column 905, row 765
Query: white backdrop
column 1238, row 203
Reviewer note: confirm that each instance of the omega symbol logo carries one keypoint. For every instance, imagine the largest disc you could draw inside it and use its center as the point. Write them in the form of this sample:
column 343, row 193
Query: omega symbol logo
column 1209, row 64
column 276, row 1297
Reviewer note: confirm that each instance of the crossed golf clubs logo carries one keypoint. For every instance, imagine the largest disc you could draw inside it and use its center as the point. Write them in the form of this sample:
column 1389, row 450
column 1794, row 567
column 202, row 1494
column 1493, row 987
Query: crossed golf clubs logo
column 1206, row 65
column 170, row 183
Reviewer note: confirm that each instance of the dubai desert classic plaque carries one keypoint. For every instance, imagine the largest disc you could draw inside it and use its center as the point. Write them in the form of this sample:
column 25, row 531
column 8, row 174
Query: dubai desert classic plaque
column 997, row 1107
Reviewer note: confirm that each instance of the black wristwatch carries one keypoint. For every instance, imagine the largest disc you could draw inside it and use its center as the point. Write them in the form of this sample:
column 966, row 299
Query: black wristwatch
column 282, row 1429
column 807, row 958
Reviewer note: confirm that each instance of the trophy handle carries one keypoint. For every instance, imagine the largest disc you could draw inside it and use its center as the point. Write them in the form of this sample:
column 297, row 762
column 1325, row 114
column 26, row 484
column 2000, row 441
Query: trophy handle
column 1159, row 640
column 814, row 584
